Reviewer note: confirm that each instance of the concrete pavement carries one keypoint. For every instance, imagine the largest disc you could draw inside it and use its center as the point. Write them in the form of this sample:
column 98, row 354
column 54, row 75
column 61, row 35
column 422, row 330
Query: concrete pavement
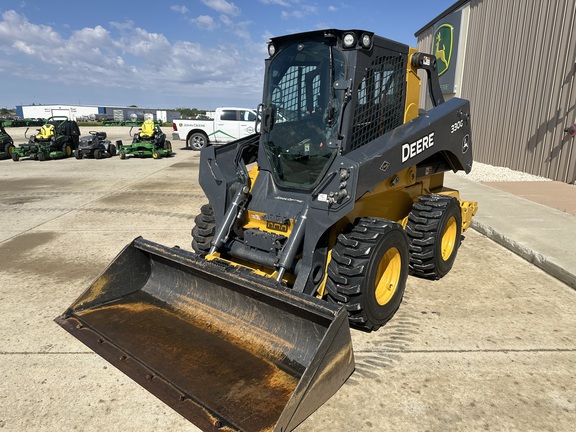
column 536, row 220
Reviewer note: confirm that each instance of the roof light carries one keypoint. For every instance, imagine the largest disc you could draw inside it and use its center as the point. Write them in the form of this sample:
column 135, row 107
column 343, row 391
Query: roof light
column 349, row 40
column 366, row 41
column 271, row 49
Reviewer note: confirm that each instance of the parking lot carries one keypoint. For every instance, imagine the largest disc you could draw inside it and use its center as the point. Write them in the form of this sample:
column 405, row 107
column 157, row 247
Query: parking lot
column 491, row 346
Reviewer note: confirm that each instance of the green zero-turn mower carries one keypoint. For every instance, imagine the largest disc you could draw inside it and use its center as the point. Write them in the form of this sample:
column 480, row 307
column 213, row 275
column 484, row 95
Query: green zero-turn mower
column 57, row 138
column 313, row 225
column 150, row 141
column 6, row 143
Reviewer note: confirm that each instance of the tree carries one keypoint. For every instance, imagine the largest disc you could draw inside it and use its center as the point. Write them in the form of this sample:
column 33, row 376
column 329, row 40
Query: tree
column 190, row 112
column 5, row 112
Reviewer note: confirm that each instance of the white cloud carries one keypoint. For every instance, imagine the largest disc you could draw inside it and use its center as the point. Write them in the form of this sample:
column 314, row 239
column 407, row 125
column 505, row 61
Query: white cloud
column 239, row 29
column 145, row 45
column 23, row 47
column 299, row 12
column 222, row 6
column 125, row 57
column 226, row 20
column 15, row 27
column 122, row 26
column 297, row 9
column 276, row 2
column 91, row 36
column 181, row 9
column 204, row 22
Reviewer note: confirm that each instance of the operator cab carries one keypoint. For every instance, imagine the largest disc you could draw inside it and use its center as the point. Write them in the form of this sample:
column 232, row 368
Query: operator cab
column 305, row 109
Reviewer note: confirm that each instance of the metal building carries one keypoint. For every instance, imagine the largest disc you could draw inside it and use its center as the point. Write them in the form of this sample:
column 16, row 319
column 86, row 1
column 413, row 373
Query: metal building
column 92, row 112
column 515, row 61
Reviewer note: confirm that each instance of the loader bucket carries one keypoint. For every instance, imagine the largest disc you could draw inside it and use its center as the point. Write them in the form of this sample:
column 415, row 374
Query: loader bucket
column 223, row 347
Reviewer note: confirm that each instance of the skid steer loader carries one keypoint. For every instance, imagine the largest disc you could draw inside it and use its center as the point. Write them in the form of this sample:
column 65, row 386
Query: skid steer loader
column 313, row 223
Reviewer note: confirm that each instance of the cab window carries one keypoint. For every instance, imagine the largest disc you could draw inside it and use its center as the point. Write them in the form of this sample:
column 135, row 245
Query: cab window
column 228, row 115
column 247, row 116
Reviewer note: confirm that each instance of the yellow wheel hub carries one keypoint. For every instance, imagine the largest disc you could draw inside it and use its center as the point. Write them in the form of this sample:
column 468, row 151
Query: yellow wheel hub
column 449, row 238
column 388, row 275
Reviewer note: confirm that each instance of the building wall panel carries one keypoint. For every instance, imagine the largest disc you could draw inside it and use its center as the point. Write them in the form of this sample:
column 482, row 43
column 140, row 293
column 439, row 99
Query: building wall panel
column 519, row 76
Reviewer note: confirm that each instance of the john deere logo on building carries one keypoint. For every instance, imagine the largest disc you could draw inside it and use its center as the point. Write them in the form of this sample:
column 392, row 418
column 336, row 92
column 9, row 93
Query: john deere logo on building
column 443, row 41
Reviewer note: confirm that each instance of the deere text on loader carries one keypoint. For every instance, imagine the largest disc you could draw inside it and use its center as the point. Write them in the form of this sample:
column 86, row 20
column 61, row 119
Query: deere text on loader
column 312, row 224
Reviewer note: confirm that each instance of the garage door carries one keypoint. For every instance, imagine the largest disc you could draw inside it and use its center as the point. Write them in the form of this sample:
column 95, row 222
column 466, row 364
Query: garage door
column 61, row 112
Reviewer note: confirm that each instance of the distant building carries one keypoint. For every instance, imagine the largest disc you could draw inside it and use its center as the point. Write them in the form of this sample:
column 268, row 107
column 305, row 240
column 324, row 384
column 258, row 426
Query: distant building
column 95, row 113
column 515, row 62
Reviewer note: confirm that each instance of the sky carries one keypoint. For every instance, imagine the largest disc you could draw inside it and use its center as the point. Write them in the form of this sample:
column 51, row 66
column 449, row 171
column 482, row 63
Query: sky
column 170, row 54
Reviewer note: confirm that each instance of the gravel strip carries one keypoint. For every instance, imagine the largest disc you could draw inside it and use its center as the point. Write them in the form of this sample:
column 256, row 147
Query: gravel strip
column 488, row 173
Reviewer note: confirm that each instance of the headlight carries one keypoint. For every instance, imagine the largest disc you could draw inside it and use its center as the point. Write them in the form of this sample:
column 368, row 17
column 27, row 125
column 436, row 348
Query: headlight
column 366, row 41
column 271, row 49
column 349, row 40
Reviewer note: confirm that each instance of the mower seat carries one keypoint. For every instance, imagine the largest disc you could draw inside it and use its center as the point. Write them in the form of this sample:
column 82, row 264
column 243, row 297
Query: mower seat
column 148, row 129
column 46, row 132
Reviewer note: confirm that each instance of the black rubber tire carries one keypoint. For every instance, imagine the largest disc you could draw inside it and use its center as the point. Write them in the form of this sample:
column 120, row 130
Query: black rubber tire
column 197, row 141
column 434, row 232
column 156, row 154
column 203, row 231
column 9, row 149
column 112, row 150
column 15, row 157
column 78, row 154
column 97, row 154
column 40, row 156
column 122, row 154
column 368, row 270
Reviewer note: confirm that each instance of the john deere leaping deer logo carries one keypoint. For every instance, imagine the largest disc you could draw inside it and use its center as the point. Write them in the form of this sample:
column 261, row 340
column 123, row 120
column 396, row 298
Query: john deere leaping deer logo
column 443, row 41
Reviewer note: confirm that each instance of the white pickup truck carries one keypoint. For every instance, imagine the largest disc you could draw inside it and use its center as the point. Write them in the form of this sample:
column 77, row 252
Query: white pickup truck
column 228, row 125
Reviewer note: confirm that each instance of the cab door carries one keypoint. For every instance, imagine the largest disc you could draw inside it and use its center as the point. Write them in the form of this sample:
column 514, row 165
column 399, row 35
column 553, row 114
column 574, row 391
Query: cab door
column 226, row 127
column 247, row 122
